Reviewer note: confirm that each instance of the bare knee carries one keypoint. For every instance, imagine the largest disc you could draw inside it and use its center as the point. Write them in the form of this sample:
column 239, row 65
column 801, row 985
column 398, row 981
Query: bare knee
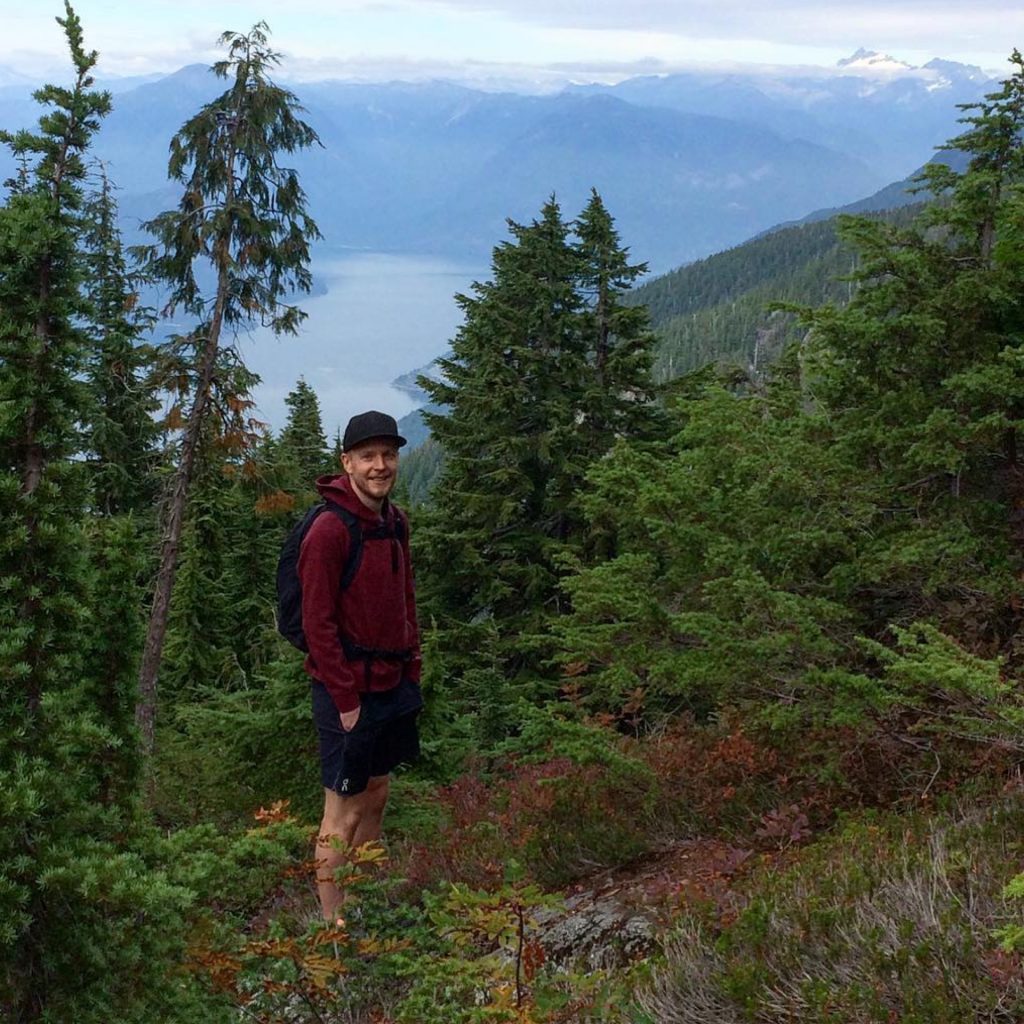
column 376, row 794
column 343, row 814
column 340, row 818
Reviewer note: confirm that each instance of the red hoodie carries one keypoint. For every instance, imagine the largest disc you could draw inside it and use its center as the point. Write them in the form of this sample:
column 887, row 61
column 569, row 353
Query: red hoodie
column 377, row 610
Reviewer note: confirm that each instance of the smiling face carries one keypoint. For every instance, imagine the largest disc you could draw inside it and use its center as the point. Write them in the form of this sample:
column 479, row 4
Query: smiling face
column 372, row 468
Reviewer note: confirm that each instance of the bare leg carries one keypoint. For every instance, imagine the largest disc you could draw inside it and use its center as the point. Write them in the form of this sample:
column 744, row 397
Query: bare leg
column 353, row 820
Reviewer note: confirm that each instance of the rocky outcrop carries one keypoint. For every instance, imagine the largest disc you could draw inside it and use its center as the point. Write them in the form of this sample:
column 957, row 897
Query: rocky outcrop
column 617, row 918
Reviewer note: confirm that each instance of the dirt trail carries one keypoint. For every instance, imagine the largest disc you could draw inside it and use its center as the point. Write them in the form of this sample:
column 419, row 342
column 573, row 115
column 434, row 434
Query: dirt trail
column 618, row 916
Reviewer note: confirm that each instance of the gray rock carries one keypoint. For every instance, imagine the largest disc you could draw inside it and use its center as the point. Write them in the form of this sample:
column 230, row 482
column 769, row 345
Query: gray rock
column 598, row 933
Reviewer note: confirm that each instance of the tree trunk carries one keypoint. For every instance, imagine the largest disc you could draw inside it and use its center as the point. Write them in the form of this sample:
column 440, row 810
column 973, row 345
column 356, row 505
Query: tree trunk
column 145, row 711
column 177, row 499
column 35, row 462
column 32, row 470
column 603, row 332
column 1015, row 492
column 1014, row 484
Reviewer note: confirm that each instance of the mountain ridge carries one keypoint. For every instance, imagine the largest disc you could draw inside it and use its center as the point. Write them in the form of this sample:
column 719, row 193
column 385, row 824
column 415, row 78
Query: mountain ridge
column 438, row 167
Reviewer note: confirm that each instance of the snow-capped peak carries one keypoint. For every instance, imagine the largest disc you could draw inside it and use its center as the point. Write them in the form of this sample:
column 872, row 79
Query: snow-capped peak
column 871, row 60
column 952, row 70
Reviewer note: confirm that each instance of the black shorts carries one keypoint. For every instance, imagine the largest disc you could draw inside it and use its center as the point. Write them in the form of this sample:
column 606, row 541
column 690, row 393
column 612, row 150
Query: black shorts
column 384, row 737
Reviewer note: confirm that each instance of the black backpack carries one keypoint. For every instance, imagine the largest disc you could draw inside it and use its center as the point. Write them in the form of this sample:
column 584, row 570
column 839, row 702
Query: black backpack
column 289, row 588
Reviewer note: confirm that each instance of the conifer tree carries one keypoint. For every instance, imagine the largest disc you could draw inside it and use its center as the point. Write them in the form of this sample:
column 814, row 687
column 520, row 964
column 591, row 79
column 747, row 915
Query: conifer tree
column 303, row 446
column 244, row 216
column 197, row 650
column 620, row 392
column 795, row 541
column 221, row 626
column 121, row 456
column 548, row 368
column 42, row 401
column 921, row 374
column 221, row 611
column 511, row 388
column 43, row 350
column 80, row 916
column 121, row 426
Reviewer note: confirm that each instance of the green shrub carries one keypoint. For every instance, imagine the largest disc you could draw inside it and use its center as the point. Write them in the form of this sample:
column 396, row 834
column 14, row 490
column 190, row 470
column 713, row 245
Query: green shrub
column 230, row 751
column 560, row 797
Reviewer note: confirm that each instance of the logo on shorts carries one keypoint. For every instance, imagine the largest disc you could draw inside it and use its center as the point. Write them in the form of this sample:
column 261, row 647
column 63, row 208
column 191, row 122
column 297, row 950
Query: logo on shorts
column 343, row 788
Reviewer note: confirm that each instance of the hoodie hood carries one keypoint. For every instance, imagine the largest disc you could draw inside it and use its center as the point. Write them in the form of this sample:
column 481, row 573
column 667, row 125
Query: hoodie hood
column 339, row 490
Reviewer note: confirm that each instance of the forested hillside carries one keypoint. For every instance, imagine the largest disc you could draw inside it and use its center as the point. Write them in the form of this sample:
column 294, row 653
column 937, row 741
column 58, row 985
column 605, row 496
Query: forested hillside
column 738, row 658
column 421, row 164
column 723, row 309
column 693, row 163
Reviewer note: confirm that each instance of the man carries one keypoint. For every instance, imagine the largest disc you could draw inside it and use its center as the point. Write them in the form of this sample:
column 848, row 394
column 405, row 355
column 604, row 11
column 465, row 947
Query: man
column 364, row 653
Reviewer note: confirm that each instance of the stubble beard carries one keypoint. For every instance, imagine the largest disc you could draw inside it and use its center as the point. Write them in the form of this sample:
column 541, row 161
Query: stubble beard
column 375, row 490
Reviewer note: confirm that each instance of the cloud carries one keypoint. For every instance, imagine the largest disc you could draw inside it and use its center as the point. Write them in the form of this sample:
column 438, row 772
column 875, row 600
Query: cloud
column 505, row 43
column 915, row 24
column 522, row 76
column 742, row 18
column 486, row 75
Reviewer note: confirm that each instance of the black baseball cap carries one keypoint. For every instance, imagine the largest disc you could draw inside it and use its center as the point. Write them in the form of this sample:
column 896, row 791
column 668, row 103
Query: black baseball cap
column 368, row 426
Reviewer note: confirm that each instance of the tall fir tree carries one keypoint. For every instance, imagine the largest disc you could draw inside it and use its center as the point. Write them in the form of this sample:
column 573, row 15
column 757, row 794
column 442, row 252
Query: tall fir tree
column 43, row 572
column 82, row 918
column 122, row 457
column 302, row 450
column 547, row 370
column 921, row 372
column 620, row 393
column 245, row 216
column 122, row 431
column 511, row 390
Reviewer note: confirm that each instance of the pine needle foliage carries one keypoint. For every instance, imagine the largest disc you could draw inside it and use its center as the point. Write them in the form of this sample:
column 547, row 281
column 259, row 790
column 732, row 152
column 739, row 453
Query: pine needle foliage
column 302, row 448
column 548, row 368
column 243, row 217
column 122, row 432
column 842, row 545
column 42, row 571
column 86, row 928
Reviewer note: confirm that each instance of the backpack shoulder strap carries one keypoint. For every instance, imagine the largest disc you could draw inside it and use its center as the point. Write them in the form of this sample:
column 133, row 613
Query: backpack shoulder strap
column 401, row 524
column 355, row 542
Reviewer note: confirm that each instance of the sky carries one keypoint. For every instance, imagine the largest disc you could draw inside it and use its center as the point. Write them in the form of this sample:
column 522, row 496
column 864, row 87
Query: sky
column 544, row 42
